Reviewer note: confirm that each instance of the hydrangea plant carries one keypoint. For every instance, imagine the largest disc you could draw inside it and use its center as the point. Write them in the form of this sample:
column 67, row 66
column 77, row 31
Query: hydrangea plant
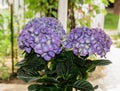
column 57, row 61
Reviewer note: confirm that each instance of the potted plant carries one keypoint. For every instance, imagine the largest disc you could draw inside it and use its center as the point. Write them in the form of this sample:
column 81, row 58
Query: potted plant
column 59, row 61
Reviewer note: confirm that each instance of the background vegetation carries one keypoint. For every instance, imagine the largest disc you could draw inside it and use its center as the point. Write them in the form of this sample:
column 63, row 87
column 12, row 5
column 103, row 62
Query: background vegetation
column 111, row 21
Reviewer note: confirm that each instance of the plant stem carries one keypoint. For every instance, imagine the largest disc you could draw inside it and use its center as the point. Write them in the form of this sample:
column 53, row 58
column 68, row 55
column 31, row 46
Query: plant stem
column 68, row 88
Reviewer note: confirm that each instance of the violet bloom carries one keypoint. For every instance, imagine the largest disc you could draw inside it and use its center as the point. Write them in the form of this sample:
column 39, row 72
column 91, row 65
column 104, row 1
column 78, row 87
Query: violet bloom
column 103, row 44
column 43, row 35
column 85, row 41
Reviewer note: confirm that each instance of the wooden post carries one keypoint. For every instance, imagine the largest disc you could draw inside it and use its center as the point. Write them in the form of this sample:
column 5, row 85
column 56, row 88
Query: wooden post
column 117, row 7
column 117, row 12
column 12, row 37
column 62, row 12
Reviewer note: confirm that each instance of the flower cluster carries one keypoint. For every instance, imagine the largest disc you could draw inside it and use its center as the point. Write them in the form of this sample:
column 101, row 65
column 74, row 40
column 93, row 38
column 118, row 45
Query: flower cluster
column 43, row 35
column 85, row 41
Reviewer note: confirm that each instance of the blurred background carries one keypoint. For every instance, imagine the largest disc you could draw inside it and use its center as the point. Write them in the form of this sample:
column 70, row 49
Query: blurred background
column 14, row 14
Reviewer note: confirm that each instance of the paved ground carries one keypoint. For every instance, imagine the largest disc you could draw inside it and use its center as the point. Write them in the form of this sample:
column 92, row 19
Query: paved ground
column 108, row 81
column 111, row 79
column 13, row 87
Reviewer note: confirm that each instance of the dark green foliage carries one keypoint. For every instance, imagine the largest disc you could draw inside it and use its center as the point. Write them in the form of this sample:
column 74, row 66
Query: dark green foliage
column 101, row 62
column 62, row 73
column 32, row 62
column 38, row 87
column 28, row 78
column 83, row 85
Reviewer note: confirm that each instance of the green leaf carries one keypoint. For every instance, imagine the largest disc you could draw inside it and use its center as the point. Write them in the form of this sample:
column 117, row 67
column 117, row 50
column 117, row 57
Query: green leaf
column 29, row 14
column 88, row 1
column 1, row 18
column 83, row 85
column 21, row 63
column 32, row 62
column 34, row 87
column 101, row 62
column 81, row 1
column 104, row 11
column 89, row 65
column 61, row 68
column 79, row 62
column 54, row 13
column 83, row 73
column 68, row 88
column 96, row 87
column 28, row 78
column 38, row 87
column 64, row 68
column 112, row 1
column 105, row 2
column 27, row 75
column 91, row 68
column 64, row 62
column 96, row 8
column 50, row 80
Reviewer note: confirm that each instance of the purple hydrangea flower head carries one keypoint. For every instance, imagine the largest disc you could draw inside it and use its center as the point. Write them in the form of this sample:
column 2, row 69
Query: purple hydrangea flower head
column 103, row 44
column 43, row 35
column 85, row 41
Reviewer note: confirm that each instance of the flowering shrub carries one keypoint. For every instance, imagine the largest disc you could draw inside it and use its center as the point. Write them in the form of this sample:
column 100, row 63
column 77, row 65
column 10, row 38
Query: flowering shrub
column 57, row 61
